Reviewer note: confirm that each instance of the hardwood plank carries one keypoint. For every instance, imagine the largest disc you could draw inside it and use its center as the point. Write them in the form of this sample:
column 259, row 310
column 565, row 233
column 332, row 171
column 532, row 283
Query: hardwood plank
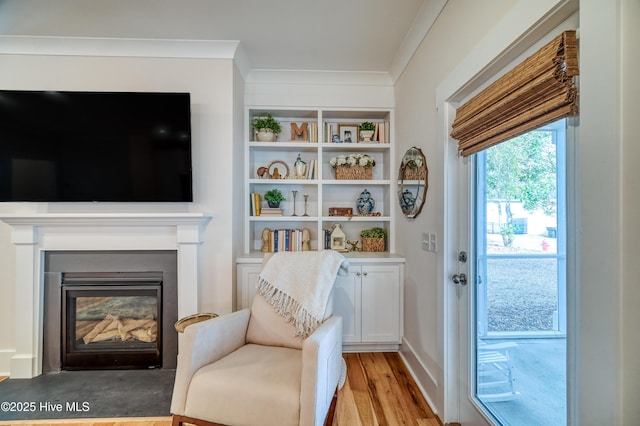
column 382, row 381
column 380, row 391
column 346, row 412
column 409, row 387
column 358, row 384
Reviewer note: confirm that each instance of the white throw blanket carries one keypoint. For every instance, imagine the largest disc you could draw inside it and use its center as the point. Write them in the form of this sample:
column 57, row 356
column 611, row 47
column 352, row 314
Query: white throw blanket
column 298, row 285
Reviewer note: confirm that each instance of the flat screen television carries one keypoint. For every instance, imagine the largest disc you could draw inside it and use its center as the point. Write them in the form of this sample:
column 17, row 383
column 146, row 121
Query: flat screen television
column 95, row 146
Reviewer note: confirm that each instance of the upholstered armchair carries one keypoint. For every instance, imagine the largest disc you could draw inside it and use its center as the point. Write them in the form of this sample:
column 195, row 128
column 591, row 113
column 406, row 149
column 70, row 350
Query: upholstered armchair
column 249, row 368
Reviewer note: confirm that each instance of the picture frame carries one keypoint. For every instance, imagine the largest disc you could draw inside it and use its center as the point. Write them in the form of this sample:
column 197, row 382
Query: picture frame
column 348, row 132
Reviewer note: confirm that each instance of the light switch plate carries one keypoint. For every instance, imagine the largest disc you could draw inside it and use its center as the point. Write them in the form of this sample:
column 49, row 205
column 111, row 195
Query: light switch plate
column 425, row 241
column 433, row 242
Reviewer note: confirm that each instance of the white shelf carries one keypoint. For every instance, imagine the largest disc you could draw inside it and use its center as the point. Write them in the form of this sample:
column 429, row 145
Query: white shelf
column 288, row 218
column 356, row 218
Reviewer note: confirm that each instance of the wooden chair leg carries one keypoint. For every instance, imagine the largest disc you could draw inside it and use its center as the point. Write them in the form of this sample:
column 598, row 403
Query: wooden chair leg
column 180, row 420
column 332, row 409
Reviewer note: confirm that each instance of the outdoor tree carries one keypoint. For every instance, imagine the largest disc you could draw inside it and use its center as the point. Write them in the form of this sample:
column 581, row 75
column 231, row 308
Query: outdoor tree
column 522, row 170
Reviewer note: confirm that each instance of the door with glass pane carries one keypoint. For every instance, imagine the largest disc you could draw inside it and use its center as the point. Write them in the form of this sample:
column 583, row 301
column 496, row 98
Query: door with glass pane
column 519, row 293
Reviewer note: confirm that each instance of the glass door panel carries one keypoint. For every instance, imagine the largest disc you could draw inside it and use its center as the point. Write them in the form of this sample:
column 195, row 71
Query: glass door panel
column 520, row 306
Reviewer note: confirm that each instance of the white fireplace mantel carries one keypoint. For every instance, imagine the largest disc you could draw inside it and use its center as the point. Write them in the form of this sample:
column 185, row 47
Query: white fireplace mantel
column 34, row 234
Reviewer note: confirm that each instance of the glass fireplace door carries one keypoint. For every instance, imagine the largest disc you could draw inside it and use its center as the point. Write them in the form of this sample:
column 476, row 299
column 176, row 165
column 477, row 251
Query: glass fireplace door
column 111, row 324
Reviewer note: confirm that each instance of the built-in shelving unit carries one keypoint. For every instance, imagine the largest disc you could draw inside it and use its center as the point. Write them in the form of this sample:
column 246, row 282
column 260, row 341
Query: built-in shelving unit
column 323, row 189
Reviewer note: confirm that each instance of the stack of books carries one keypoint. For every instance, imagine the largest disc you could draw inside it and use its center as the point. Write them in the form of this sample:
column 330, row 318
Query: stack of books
column 285, row 240
column 269, row 211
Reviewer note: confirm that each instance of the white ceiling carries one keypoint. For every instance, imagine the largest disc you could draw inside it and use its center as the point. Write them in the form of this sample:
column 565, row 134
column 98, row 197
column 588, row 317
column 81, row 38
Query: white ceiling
column 323, row 35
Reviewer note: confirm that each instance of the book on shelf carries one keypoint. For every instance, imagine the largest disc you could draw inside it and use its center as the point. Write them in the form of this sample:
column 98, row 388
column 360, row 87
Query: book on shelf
column 266, row 211
column 254, row 200
column 311, row 169
column 327, row 238
column 381, row 133
column 313, row 136
column 329, row 131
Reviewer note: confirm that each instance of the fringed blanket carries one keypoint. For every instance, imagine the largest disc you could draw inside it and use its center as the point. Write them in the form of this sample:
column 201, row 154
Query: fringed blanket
column 298, row 285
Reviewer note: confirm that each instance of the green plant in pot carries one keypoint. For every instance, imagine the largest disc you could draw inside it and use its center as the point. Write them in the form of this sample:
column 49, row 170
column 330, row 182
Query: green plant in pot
column 273, row 197
column 366, row 130
column 373, row 239
column 266, row 128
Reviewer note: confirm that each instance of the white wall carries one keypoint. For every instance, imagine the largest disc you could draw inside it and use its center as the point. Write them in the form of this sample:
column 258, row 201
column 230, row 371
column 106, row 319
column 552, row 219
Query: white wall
column 607, row 340
column 416, row 122
column 211, row 84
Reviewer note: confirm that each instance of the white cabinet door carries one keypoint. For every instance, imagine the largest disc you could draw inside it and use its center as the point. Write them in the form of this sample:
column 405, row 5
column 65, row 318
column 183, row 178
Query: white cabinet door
column 368, row 300
column 346, row 303
column 246, row 287
column 381, row 304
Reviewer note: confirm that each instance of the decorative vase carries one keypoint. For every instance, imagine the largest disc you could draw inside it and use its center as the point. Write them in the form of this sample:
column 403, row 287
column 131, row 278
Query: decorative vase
column 366, row 135
column 265, row 135
column 273, row 204
column 365, row 203
column 300, row 167
column 407, row 201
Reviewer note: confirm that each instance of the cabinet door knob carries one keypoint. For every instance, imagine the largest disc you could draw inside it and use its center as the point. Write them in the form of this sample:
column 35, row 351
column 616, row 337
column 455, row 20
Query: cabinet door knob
column 358, row 274
column 365, row 273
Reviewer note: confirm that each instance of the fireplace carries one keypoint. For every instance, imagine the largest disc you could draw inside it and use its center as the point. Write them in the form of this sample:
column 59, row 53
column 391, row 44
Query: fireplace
column 120, row 315
column 37, row 235
column 111, row 320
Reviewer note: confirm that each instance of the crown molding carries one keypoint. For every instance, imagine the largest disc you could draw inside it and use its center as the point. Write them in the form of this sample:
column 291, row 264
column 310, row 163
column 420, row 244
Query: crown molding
column 124, row 47
column 294, row 77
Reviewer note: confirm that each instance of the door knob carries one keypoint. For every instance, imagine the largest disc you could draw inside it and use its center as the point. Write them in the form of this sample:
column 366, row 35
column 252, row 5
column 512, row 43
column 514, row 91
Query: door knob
column 459, row 279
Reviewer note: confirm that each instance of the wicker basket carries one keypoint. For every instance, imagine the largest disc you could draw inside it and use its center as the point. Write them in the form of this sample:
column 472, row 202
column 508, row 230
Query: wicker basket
column 354, row 172
column 372, row 244
column 419, row 173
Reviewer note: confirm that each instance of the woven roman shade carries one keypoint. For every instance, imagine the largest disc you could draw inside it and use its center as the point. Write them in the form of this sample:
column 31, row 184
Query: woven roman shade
column 538, row 91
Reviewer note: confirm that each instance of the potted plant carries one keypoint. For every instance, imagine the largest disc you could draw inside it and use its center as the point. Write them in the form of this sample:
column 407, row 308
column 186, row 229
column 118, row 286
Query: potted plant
column 266, row 128
column 373, row 239
column 273, row 197
column 366, row 130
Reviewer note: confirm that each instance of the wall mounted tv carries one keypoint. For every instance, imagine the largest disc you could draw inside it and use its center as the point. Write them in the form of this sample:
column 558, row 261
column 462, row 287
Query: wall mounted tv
column 95, row 146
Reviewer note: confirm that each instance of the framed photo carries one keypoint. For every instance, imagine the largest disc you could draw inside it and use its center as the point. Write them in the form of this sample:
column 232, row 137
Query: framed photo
column 348, row 133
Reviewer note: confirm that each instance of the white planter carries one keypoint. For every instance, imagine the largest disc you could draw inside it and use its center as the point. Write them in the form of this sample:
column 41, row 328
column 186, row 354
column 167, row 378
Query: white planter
column 265, row 135
column 366, row 135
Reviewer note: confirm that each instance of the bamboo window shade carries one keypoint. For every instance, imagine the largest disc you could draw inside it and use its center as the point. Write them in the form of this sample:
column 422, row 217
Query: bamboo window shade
column 538, row 91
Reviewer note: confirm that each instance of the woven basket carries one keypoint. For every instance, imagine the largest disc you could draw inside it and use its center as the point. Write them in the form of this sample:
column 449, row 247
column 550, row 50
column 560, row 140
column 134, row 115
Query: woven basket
column 372, row 244
column 354, row 172
column 419, row 173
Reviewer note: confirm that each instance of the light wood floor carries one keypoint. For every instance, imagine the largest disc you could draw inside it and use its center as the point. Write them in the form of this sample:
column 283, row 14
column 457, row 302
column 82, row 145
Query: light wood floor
column 379, row 391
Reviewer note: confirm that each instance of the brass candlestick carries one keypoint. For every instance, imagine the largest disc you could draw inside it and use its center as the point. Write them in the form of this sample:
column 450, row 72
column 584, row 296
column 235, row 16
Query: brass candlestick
column 306, row 197
column 294, row 203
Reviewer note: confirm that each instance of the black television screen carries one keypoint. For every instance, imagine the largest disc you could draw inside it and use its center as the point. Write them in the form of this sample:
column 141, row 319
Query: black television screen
column 95, row 146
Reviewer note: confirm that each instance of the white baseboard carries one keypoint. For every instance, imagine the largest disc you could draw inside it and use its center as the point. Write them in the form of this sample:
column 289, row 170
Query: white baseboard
column 425, row 378
column 5, row 361
column 370, row 347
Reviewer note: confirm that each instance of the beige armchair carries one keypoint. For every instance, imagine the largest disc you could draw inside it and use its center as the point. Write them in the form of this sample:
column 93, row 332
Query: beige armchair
column 248, row 368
